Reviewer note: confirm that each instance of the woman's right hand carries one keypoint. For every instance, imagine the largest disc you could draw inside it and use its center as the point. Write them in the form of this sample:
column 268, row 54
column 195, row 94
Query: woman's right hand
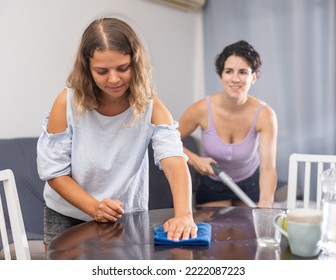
column 202, row 165
column 108, row 210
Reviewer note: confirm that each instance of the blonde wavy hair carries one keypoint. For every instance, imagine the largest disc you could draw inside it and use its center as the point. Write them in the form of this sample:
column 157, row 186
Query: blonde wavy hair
column 111, row 34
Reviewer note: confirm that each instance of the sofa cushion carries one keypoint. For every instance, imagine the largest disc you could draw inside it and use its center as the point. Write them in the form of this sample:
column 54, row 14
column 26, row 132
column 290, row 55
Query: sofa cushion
column 19, row 155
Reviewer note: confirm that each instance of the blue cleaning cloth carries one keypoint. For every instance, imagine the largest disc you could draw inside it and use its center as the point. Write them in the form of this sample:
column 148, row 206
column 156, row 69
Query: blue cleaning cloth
column 203, row 237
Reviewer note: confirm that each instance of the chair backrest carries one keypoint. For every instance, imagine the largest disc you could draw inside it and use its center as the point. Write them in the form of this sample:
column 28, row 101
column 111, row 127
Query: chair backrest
column 307, row 161
column 15, row 217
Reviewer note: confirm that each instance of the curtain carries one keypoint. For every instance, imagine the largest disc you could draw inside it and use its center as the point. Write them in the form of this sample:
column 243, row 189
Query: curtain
column 296, row 41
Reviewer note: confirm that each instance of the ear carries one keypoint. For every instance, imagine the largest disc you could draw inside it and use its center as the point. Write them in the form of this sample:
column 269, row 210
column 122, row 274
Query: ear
column 254, row 78
column 220, row 79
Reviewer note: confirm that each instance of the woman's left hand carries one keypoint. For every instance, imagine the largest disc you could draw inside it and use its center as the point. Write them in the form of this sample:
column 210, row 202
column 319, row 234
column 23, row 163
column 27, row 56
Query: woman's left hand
column 180, row 227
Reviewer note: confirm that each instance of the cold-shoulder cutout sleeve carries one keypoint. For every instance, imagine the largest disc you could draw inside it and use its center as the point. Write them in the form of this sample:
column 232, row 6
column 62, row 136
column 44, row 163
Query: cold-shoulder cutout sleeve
column 53, row 153
column 166, row 142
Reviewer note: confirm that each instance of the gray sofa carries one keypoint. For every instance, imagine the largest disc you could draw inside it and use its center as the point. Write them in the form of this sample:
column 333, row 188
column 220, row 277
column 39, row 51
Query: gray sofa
column 19, row 155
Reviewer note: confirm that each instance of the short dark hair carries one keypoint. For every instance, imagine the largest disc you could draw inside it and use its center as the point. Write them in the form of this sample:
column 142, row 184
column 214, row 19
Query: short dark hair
column 242, row 49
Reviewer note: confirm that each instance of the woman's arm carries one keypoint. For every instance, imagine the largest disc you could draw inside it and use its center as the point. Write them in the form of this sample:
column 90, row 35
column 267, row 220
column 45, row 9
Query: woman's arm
column 177, row 172
column 65, row 186
column 196, row 117
column 178, row 176
column 268, row 128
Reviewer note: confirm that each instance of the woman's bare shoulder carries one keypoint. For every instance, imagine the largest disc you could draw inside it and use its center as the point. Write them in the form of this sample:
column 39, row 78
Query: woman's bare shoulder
column 267, row 118
column 160, row 114
column 57, row 120
column 199, row 106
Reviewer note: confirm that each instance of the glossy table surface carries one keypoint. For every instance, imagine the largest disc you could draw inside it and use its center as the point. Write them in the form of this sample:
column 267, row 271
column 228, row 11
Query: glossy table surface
column 233, row 238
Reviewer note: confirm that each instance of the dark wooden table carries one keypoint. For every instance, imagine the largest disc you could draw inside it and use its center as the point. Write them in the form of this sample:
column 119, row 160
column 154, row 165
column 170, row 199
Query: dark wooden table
column 233, row 238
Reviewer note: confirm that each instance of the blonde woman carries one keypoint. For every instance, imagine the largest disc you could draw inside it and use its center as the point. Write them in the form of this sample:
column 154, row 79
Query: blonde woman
column 93, row 148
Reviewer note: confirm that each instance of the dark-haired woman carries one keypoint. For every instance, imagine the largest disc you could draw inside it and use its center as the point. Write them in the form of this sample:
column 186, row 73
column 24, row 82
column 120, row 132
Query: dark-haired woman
column 238, row 131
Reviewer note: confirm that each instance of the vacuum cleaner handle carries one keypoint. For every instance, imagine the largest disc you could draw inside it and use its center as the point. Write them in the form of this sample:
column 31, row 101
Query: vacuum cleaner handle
column 227, row 180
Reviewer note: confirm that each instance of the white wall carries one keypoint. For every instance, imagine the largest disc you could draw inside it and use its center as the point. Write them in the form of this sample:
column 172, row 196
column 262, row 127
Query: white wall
column 39, row 39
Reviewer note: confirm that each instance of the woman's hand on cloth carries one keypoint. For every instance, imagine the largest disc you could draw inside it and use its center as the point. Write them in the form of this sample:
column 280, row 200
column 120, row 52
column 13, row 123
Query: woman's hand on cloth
column 180, row 227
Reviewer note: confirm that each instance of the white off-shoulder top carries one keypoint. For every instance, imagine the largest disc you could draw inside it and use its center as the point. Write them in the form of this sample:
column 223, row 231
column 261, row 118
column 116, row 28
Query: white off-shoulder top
column 106, row 156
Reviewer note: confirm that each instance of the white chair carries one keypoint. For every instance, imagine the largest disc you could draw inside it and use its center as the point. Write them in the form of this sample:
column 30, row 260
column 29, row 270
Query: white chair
column 15, row 218
column 320, row 163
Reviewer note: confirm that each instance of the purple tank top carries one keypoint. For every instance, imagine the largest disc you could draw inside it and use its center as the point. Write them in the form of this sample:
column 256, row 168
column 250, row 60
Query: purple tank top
column 239, row 160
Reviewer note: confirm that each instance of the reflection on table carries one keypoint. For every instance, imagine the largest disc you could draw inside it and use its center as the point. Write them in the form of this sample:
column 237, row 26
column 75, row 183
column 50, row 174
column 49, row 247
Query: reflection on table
column 233, row 238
